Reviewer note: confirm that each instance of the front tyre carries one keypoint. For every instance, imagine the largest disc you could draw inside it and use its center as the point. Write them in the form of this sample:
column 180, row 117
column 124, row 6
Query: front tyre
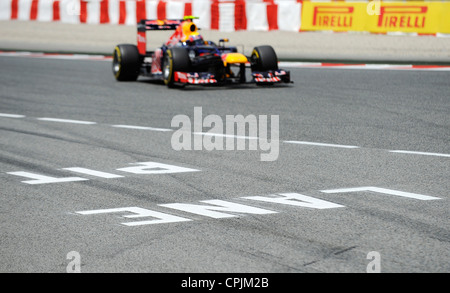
column 264, row 58
column 175, row 59
column 126, row 62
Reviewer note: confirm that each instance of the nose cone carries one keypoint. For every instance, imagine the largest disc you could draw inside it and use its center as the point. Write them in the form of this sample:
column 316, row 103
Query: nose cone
column 233, row 58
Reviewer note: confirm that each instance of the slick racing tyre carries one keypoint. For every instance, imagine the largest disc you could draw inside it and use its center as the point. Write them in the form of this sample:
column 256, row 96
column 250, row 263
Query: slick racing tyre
column 175, row 59
column 126, row 62
column 264, row 58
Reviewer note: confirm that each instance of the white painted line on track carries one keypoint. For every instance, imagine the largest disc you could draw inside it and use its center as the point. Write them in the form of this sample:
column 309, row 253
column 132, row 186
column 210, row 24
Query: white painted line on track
column 57, row 56
column 141, row 128
column 364, row 66
column 383, row 191
column 86, row 122
column 66, row 121
column 299, row 64
column 6, row 115
column 286, row 64
column 420, row 153
column 93, row 172
column 322, row 144
column 225, row 135
column 161, row 218
column 42, row 179
column 79, row 57
column 11, row 115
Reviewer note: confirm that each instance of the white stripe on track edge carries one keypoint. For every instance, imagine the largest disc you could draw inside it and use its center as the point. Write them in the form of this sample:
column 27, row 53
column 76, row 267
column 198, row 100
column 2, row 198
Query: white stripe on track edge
column 57, row 56
column 66, row 121
column 93, row 172
column 286, row 64
column 363, row 66
column 225, row 135
column 11, row 115
column 420, row 153
column 6, row 115
column 142, row 128
column 322, row 144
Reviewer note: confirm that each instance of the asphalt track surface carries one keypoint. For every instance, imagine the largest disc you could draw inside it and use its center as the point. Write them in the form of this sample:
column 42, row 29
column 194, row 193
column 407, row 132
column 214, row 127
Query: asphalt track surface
column 398, row 212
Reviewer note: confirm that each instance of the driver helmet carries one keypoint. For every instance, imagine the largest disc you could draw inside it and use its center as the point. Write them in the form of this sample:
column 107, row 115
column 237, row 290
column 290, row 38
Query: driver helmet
column 196, row 39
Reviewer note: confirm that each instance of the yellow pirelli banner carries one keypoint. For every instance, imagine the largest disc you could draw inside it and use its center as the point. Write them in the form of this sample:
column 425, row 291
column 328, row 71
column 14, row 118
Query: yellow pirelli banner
column 377, row 16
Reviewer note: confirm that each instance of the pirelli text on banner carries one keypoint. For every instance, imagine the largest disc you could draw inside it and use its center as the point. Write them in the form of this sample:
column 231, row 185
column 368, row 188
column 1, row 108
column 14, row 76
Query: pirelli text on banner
column 377, row 16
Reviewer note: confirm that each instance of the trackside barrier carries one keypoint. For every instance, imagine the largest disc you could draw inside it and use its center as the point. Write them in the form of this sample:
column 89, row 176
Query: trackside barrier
column 224, row 15
column 252, row 15
column 255, row 15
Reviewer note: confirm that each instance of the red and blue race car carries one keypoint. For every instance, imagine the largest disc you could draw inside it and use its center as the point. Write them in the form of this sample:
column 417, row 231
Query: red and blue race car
column 186, row 58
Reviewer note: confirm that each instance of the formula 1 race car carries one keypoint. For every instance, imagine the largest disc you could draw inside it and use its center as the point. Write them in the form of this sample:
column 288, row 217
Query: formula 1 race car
column 186, row 58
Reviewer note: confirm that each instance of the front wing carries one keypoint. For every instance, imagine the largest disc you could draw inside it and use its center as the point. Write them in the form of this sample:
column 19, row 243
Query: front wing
column 207, row 78
column 271, row 76
column 194, row 77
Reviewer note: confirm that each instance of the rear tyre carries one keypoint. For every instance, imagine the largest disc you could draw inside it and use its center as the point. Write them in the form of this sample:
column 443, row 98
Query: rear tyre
column 175, row 59
column 264, row 58
column 126, row 62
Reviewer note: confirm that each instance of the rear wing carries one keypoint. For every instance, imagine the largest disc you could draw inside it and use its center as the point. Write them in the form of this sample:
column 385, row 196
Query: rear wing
column 158, row 25
column 145, row 25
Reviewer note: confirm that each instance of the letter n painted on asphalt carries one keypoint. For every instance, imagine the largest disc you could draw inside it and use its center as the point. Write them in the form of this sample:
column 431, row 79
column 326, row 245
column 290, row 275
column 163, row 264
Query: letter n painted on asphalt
column 218, row 206
column 296, row 199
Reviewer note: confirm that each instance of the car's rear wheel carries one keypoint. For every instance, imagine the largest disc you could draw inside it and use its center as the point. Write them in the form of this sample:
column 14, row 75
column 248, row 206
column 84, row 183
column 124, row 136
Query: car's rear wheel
column 264, row 58
column 126, row 62
column 175, row 59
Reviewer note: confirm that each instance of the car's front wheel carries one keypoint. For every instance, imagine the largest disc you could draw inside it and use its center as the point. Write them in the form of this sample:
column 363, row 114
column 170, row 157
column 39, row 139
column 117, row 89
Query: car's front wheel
column 175, row 59
column 264, row 58
column 126, row 62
